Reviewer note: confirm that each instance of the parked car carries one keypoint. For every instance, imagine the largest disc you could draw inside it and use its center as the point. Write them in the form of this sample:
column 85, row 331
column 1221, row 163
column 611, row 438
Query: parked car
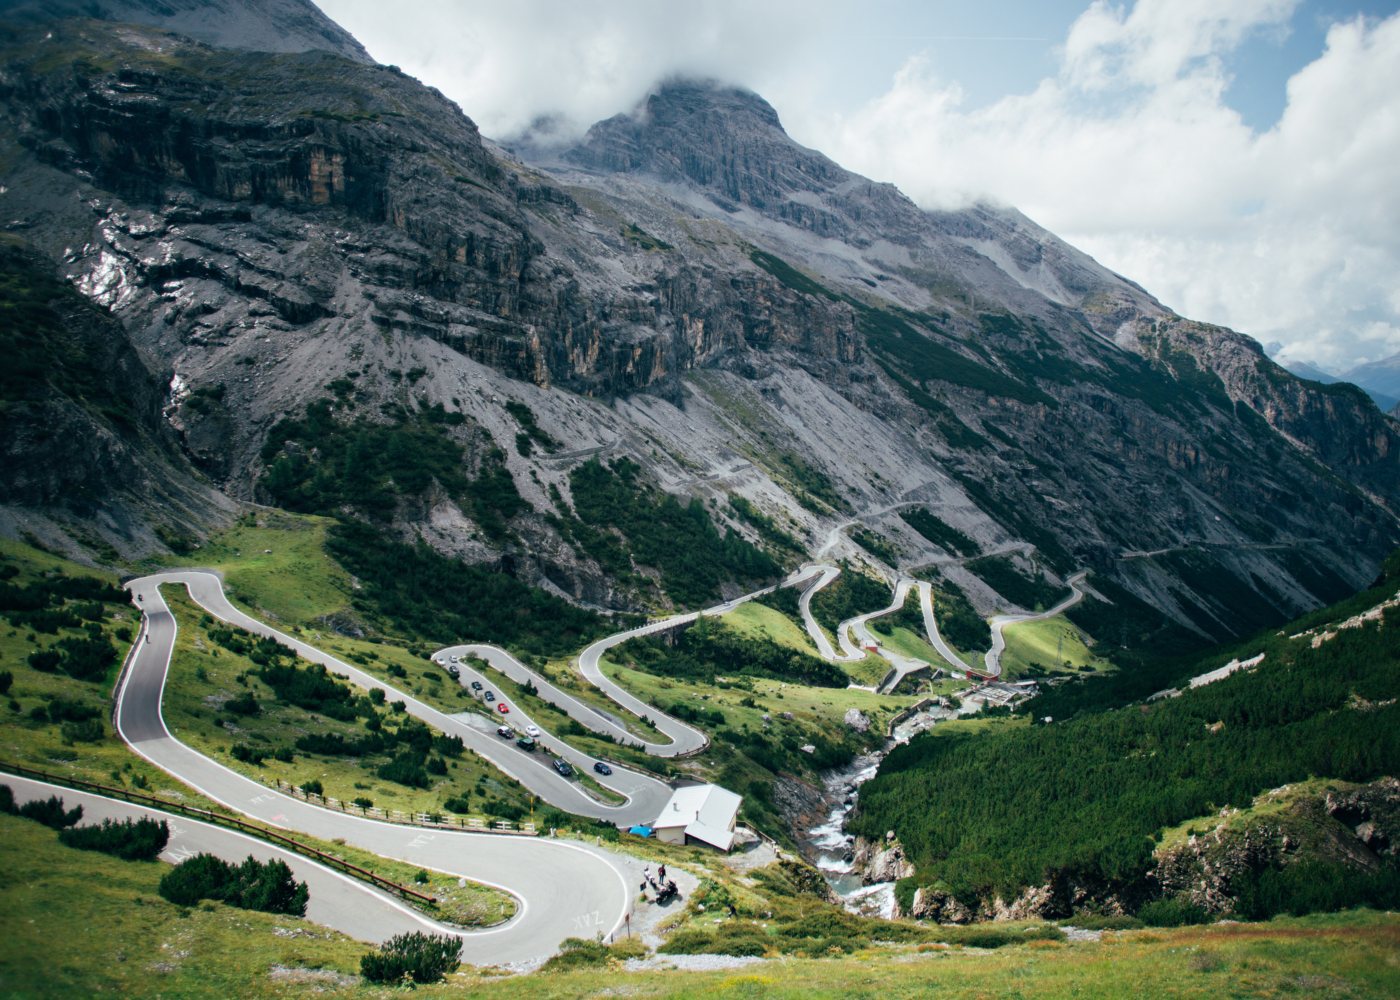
column 476, row 685
column 525, row 743
column 533, row 729
column 505, row 732
column 503, row 708
column 601, row 768
column 563, row 767
column 489, row 696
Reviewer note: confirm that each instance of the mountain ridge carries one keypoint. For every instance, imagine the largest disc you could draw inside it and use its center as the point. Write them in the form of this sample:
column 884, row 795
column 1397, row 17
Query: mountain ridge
column 277, row 228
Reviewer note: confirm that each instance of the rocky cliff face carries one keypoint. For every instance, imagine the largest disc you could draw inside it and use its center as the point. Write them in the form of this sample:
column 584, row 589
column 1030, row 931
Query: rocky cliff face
column 258, row 25
column 83, row 442
column 687, row 287
column 1350, row 826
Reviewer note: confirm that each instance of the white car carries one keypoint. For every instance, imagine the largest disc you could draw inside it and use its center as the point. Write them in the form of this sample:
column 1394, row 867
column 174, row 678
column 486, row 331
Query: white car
column 532, row 730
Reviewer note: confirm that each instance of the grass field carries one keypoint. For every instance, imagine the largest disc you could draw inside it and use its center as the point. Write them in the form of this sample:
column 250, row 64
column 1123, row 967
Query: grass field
column 759, row 621
column 135, row 944
column 1051, row 645
column 275, row 564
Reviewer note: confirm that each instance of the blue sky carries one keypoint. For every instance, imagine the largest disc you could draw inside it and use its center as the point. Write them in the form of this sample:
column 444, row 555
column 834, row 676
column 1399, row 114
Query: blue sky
column 1235, row 157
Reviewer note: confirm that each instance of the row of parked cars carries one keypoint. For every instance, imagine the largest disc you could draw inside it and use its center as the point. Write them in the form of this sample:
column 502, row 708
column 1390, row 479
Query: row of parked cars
column 532, row 732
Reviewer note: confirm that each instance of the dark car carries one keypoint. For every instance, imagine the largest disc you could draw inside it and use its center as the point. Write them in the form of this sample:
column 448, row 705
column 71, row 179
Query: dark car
column 602, row 768
column 505, row 732
column 489, row 696
column 563, row 767
column 476, row 685
column 526, row 743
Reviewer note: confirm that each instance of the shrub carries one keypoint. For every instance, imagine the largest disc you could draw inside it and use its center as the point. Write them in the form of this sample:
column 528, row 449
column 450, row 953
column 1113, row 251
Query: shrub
column 45, row 660
column 733, row 938
column 244, row 704
column 6, row 679
column 406, row 769
column 457, row 805
column 1098, row 922
column 414, row 957
column 252, row 885
column 575, row 953
column 63, row 710
column 87, row 659
column 49, row 811
column 87, row 731
column 312, row 787
column 131, row 840
column 247, row 754
column 1172, row 912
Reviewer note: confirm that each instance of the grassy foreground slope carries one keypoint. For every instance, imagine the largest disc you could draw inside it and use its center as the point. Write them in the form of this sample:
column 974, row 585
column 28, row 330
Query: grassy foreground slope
column 135, row 944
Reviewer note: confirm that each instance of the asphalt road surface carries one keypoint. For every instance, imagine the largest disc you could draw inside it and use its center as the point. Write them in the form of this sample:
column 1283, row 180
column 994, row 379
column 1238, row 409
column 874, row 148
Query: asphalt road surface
column 336, row 900
column 565, row 889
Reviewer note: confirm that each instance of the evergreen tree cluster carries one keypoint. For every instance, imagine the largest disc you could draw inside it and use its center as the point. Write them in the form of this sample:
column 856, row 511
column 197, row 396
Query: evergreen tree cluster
column 623, row 522
column 1081, row 800
column 426, row 595
column 324, row 463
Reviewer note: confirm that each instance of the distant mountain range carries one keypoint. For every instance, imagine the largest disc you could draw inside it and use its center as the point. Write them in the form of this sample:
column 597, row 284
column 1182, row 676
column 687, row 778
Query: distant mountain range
column 356, row 306
column 1380, row 379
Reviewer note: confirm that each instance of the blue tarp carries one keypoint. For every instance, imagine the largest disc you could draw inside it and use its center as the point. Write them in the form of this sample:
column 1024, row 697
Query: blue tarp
column 641, row 831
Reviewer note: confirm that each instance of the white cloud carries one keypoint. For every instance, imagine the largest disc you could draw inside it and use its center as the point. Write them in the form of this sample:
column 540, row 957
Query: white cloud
column 1132, row 154
column 507, row 63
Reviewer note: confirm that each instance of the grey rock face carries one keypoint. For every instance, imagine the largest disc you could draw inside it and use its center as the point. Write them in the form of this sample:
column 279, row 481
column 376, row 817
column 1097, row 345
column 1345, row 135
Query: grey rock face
column 881, row 862
column 259, row 25
column 690, row 288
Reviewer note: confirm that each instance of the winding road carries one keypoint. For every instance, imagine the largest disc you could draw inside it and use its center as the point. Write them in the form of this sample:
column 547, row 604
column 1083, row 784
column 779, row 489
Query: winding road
column 999, row 623
column 563, row 889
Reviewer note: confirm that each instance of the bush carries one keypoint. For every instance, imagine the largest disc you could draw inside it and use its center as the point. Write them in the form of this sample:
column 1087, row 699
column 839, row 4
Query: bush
column 253, row 885
column 244, row 704
column 63, row 710
column 575, row 953
column 131, row 840
column 87, row 731
column 6, row 679
column 733, row 938
column 87, row 659
column 1100, row 922
column 1172, row 912
column 48, row 811
column 406, row 769
column 414, row 957
column 247, row 754
column 45, row 661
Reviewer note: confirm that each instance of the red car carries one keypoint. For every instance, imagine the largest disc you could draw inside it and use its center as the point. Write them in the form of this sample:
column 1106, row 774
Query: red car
column 503, row 708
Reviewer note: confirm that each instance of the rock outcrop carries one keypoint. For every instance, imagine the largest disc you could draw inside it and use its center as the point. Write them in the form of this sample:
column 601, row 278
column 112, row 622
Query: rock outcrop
column 1350, row 826
column 881, row 861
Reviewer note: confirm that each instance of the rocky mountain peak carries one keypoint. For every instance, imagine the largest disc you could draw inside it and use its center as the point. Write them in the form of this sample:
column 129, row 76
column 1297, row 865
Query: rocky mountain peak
column 725, row 139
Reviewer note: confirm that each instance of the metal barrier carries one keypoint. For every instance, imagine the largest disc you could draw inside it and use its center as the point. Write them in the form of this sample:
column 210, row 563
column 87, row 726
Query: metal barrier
column 220, row 820
column 474, row 824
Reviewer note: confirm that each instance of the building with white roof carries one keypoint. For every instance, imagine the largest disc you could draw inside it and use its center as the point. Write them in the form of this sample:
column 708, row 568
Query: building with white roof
column 704, row 813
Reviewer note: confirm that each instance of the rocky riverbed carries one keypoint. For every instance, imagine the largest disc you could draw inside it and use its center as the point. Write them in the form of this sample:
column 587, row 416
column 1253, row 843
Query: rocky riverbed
column 861, row 873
